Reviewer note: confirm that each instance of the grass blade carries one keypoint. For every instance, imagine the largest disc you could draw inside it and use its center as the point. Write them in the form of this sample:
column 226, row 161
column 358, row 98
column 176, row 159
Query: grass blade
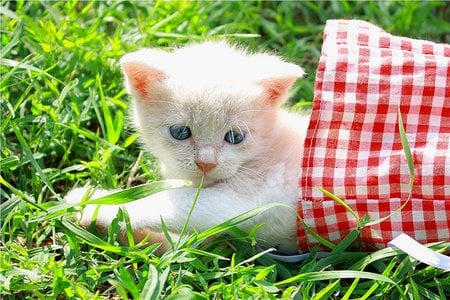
column 21, row 195
column 406, row 148
column 128, row 229
column 29, row 155
column 186, row 222
column 21, row 65
column 153, row 286
column 93, row 240
column 237, row 220
column 332, row 275
column 316, row 236
column 341, row 202
column 408, row 155
column 138, row 192
column 346, row 242
column 327, row 291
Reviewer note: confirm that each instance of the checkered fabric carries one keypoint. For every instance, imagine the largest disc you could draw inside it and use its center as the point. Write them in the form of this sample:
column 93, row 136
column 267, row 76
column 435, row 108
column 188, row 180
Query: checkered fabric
column 353, row 148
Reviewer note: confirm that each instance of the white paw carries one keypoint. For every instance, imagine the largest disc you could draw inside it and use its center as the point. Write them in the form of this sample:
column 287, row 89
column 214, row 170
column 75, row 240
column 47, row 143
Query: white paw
column 76, row 195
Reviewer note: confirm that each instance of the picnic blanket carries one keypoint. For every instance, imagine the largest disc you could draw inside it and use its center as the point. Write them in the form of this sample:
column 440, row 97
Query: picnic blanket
column 353, row 147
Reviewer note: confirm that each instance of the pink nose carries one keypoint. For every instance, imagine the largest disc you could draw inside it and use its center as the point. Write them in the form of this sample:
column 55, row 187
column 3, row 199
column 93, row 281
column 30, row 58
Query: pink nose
column 206, row 167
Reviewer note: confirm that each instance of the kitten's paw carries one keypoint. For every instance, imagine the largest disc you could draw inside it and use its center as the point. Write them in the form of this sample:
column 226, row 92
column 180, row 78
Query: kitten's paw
column 78, row 194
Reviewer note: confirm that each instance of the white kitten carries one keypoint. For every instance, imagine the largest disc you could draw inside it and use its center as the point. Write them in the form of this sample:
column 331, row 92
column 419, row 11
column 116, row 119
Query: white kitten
column 213, row 110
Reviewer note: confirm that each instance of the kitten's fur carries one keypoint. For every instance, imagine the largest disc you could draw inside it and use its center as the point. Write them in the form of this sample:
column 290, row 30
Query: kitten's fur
column 214, row 88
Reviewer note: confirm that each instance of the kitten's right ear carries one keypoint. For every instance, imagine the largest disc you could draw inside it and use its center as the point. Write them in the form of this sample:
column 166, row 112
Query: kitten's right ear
column 140, row 76
column 279, row 76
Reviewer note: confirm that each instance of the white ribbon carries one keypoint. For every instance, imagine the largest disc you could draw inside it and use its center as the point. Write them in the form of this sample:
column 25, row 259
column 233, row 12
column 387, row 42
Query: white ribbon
column 420, row 252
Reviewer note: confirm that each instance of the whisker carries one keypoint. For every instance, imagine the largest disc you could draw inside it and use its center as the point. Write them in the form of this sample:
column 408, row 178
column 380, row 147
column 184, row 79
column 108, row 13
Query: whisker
column 256, row 110
column 252, row 173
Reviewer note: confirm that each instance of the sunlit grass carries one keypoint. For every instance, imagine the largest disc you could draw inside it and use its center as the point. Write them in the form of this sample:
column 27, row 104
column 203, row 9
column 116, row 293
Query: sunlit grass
column 64, row 123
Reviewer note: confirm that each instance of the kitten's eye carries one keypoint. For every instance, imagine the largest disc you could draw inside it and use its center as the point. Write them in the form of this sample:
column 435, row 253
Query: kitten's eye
column 234, row 137
column 180, row 132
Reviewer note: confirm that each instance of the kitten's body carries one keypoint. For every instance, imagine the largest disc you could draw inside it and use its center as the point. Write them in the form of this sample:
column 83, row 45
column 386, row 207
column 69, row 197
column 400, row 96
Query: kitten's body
column 217, row 92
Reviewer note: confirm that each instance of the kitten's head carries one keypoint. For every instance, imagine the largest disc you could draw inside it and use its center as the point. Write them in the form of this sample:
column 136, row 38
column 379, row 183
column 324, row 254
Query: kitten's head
column 207, row 109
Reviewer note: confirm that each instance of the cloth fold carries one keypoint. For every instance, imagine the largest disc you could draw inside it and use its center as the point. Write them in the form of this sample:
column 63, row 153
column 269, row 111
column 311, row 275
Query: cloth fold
column 353, row 147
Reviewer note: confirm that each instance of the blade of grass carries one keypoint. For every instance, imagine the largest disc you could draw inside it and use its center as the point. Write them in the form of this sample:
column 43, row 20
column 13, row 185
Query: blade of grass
column 330, row 275
column 326, row 292
column 341, row 202
column 375, row 256
column 22, row 65
column 91, row 239
column 9, row 162
column 166, row 233
column 21, row 195
column 205, row 253
column 237, row 220
column 128, row 229
column 127, row 281
column 155, row 283
column 315, row 235
column 408, row 155
column 29, row 155
column 376, row 284
column 186, row 222
column 7, row 206
column 110, row 131
column 346, row 242
column 406, row 148
column 138, row 192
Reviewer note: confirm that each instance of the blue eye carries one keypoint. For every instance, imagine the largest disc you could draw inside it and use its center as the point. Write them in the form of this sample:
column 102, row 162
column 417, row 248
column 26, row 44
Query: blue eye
column 180, row 132
column 234, row 137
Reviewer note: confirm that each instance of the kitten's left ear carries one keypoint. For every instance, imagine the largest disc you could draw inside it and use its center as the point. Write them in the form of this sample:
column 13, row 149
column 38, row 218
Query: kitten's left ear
column 278, row 85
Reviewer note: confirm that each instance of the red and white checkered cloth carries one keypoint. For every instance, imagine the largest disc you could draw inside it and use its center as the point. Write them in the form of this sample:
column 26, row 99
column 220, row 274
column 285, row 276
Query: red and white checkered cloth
column 353, row 148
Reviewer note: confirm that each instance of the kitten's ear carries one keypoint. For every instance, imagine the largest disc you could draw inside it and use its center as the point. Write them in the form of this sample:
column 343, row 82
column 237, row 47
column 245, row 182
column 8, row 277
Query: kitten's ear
column 278, row 85
column 140, row 75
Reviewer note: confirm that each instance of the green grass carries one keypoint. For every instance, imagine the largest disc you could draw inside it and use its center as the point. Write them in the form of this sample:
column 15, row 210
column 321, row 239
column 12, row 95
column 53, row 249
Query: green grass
column 64, row 123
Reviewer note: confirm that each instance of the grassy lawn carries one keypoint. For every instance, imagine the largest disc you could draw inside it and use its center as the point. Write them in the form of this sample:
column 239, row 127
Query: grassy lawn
column 64, row 124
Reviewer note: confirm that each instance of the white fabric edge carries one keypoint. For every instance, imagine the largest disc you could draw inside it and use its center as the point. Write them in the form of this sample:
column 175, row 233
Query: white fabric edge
column 418, row 251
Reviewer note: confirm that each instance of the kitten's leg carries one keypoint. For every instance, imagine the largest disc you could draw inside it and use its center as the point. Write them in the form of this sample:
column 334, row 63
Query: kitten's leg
column 77, row 194
column 214, row 206
column 107, row 213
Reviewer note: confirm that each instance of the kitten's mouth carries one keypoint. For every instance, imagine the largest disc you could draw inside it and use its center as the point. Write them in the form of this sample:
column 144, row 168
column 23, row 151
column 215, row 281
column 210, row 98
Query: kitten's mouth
column 209, row 178
column 211, row 173
column 208, row 182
